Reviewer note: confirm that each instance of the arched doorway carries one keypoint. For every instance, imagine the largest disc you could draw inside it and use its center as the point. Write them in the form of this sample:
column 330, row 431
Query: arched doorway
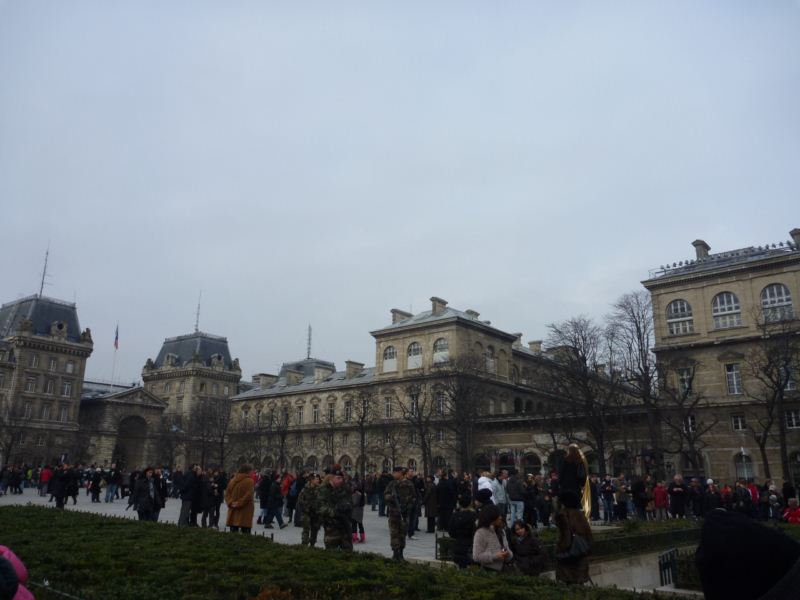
column 532, row 464
column 129, row 452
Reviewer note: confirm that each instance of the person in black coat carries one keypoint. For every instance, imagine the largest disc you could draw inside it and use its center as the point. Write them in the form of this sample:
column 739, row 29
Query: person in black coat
column 462, row 530
column 146, row 499
column 677, row 492
column 58, row 485
column 190, row 497
column 163, row 493
column 527, row 549
column 274, row 502
column 207, row 499
column 446, row 499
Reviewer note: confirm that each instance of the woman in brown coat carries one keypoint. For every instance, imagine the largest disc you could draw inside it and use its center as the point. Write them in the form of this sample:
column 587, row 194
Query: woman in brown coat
column 570, row 521
column 239, row 498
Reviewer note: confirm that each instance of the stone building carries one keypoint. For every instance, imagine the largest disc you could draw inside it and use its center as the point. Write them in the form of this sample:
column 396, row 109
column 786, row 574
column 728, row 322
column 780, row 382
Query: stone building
column 43, row 355
column 309, row 413
column 189, row 369
column 719, row 319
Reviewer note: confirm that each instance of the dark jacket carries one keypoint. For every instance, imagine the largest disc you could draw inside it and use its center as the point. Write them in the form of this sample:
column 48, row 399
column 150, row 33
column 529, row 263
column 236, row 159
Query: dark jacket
column 446, row 494
column 462, row 530
column 514, row 489
column 141, row 498
column 528, row 555
column 275, row 498
column 429, row 500
column 190, row 487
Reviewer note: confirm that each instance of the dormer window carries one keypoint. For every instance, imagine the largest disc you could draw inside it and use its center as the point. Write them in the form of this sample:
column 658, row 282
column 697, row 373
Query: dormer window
column 389, row 359
column 414, row 356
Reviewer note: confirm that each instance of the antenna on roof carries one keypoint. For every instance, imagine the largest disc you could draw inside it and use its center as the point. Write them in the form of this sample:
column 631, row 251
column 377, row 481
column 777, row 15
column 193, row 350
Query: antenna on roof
column 197, row 319
column 308, row 346
column 44, row 270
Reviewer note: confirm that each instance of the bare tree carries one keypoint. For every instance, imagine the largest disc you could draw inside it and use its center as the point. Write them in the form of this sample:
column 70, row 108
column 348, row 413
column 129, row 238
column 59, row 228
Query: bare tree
column 15, row 417
column 772, row 363
column 579, row 377
column 169, row 438
column 209, row 424
column 363, row 418
column 685, row 415
column 632, row 319
column 463, row 388
column 422, row 409
column 279, row 424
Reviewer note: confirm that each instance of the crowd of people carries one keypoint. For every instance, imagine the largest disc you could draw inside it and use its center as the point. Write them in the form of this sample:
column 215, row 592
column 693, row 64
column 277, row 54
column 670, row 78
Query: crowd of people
column 492, row 518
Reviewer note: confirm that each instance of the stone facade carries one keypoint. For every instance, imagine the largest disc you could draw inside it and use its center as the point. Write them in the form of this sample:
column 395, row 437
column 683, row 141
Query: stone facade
column 715, row 313
column 43, row 355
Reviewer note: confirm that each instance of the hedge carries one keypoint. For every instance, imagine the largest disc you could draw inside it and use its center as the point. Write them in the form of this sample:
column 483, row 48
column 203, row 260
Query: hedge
column 93, row 557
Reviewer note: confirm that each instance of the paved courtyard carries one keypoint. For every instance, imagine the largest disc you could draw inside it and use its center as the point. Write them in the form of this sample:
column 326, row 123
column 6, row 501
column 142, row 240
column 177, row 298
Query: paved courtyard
column 376, row 528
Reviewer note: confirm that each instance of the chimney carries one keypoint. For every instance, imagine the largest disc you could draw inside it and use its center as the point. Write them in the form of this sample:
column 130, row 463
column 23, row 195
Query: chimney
column 795, row 233
column 701, row 248
column 400, row 315
column 352, row 368
column 293, row 377
column 473, row 313
column 535, row 346
column 438, row 305
column 264, row 380
column 517, row 343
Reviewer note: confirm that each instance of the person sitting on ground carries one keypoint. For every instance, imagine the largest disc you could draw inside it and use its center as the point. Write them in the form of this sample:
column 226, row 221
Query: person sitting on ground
column 490, row 546
column 527, row 549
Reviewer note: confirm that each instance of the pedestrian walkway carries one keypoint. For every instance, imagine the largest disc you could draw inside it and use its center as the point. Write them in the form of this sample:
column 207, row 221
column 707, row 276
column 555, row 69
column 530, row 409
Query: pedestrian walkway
column 377, row 528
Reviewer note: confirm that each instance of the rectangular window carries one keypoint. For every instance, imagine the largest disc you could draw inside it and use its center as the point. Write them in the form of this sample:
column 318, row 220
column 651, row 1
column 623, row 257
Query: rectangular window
column 53, row 366
column 793, row 419
column 733, row 376
column 167, row 387
column 348, row 411
column 226, row 391
column 2, row 380
column 298, row 441
column 215, row 389
column 314, row 440
column 439, row 403
column 345, row 439
column 63, row 414
column 30, row 384
column 28, row 410
column 685, row 379
column 181, row 387
column 34, row 362
column 690, row 424
column 299, row 415
column 387, row 408
column 414, row 404
column 738, row 423
column 66, row 388
column 69, row 367
column 44, row 415
column 50, row 387
column 315, row 414
column 331, row 413
column 40, row 440
column 440, row 435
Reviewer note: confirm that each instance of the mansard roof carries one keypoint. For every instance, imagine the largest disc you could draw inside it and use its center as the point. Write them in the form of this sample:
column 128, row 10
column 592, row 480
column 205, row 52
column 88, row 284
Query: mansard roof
column 308, row 384
column 42, row 312
column 184, row 347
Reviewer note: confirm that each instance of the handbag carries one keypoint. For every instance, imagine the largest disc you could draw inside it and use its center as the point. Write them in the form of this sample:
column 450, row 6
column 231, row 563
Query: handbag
column 578, row 548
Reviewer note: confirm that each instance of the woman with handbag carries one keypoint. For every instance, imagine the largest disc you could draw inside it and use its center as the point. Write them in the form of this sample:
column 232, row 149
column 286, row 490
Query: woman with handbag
column 490, row 546
column 574, row 540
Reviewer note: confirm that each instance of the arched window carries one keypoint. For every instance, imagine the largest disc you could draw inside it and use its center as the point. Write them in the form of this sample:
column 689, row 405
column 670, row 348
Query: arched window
column 387, row 464
column 412, row 464
column 441, row 351
column 529, row 406
column 389, row 359
column 414, row 355
column 776, row 302
column 346, row 463
column 439, row 462
column 679, row 317
column 726, row 310
column 312, row 463
column 491, row 361
column 532, row 464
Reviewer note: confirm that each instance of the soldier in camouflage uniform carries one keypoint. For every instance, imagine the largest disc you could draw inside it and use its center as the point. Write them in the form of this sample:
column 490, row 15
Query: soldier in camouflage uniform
column 399, row 496
column 335, row 507
column 311, row 521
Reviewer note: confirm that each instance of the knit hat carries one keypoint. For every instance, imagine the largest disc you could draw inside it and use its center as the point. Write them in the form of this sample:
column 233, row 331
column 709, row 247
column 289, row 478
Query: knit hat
column 743, row 559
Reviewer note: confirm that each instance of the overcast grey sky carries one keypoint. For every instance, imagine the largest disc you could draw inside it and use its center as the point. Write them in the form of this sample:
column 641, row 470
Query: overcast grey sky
column 323, row 162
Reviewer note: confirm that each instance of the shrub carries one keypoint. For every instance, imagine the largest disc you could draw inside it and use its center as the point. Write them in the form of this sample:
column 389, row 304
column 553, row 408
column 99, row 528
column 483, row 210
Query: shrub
column 94, row 557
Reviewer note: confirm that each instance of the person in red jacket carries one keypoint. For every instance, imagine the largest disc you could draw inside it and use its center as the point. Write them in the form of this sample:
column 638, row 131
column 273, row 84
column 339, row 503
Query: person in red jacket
column 661, row 500
column 44, row 480
column 792, row 513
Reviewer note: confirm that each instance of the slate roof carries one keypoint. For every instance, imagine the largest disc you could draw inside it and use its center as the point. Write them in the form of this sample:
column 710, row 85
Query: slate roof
column 308, row 385
column 307, row 366
column 204, row 344
column 96, row 389
column 42, row 312
column 742, row 256
column 428, row 317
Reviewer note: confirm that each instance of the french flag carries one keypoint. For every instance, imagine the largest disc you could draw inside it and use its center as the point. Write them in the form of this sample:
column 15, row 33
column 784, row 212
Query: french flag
column 116, row 339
